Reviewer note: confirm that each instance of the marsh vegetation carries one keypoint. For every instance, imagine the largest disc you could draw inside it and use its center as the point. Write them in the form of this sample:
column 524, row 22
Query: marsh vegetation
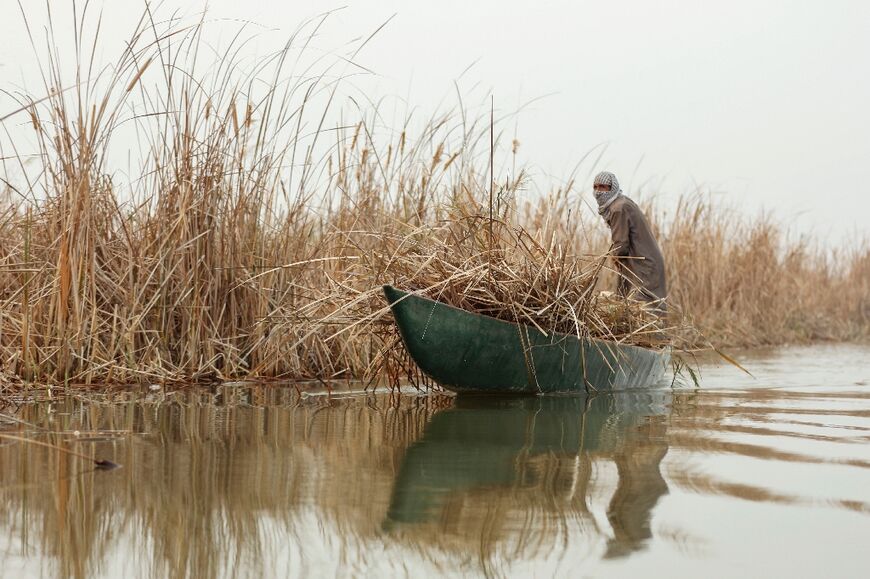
column 251, row 238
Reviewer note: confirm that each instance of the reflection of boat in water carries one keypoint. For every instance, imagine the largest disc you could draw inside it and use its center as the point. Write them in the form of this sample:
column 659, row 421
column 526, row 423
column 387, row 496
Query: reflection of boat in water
column 483, row 447
column 468, row 352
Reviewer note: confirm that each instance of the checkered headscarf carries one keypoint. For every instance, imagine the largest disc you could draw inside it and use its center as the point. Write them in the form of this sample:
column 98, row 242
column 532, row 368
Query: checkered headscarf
column 605, row 198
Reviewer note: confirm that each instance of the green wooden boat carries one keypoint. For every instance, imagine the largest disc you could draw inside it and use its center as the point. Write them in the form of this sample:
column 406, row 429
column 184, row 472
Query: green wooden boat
column 467, row 352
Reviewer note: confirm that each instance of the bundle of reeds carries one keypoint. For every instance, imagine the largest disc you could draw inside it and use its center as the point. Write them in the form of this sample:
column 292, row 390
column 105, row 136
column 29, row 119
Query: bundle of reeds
column 496, row 269
column 514, row 276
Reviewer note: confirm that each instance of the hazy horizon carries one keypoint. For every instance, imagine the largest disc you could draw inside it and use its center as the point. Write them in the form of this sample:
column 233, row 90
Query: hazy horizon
column 763, row 104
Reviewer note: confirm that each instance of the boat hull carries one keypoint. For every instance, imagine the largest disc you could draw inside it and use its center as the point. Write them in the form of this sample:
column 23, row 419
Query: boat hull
column 467, row 352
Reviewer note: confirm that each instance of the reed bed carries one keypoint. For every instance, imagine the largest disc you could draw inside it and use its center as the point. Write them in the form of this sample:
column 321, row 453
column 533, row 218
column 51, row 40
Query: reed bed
column 252, row 239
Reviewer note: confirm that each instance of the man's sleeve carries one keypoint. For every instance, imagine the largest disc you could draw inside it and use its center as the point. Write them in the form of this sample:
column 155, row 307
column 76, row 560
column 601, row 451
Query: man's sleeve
column 619, row 228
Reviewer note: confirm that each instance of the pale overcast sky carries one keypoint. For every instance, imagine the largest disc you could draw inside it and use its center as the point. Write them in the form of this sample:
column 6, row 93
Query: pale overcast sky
column 764, row 101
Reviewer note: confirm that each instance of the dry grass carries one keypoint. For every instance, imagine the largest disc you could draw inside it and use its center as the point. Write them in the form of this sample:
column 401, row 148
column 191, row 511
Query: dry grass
column 248, row 246
column 745, row 283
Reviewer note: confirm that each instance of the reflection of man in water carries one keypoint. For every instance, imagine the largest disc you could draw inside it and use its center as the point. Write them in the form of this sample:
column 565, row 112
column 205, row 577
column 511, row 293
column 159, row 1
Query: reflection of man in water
column 640, row 487
column 474, row 457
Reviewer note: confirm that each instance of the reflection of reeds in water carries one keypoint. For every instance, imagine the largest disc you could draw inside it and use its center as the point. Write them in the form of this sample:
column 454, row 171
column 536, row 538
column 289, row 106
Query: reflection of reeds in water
column 747, row 425
column 225, row 483
column 206, row 487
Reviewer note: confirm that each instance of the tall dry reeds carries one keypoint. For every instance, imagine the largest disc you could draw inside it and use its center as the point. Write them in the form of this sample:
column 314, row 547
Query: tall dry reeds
column 745, row 282
column 249, row 239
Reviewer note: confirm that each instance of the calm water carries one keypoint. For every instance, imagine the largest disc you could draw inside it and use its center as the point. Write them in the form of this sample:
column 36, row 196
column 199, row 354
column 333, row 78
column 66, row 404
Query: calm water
column 764, row 476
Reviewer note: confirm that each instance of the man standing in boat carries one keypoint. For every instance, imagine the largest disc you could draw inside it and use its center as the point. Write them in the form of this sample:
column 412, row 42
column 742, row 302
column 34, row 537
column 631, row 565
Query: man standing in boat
column 639, row 261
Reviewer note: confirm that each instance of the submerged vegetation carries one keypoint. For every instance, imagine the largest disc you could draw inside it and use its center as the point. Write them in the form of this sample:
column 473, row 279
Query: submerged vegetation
column 252, row 238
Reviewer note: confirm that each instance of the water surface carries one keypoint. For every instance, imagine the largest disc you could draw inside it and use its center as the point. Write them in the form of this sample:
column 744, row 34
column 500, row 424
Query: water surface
column 746, row 476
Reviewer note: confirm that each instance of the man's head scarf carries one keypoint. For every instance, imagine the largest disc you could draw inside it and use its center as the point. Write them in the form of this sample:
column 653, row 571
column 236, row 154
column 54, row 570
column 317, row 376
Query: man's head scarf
column 605, row 198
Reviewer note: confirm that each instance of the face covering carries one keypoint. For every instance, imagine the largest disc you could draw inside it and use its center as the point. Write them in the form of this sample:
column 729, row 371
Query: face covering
column 605, row 198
